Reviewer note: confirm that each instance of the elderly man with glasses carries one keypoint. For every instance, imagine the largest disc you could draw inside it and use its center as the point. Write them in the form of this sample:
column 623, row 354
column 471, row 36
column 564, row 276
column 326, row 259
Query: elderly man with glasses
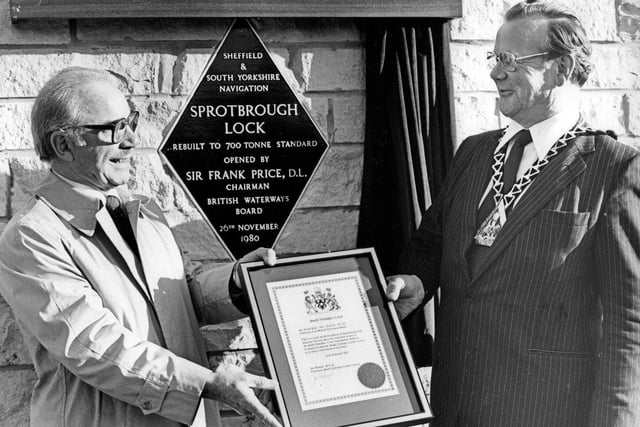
column 105, row 300
column 534, row 244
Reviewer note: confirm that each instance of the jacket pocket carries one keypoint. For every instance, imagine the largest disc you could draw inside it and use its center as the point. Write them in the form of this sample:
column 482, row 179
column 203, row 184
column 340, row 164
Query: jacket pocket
column 556, row 353
column 557, row 234
column 575, row 219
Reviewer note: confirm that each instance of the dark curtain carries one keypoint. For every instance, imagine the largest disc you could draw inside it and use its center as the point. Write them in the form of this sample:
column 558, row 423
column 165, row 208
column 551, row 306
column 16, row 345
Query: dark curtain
column 409, row 143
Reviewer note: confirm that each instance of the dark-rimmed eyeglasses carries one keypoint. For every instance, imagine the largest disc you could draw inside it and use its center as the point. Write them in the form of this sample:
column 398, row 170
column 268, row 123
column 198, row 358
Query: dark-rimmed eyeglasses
column 509, row 60
column 117, row 127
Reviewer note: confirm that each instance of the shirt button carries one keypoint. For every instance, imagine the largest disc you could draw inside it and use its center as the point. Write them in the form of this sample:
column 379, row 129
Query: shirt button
column 146, row 405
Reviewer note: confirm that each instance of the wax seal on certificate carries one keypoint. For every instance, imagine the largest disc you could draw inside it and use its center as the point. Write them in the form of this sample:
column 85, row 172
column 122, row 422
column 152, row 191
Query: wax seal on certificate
column 371, row 375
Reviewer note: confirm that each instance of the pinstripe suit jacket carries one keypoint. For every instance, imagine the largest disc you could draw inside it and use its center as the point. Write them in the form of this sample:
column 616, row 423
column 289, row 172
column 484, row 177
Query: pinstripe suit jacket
column 548, row 331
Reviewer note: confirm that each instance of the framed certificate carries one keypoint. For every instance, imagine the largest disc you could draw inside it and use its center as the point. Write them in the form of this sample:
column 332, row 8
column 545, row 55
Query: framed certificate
column 333, row 342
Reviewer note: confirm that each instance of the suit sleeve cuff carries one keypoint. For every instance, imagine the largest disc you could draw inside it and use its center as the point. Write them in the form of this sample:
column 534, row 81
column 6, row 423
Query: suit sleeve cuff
column 237, row 296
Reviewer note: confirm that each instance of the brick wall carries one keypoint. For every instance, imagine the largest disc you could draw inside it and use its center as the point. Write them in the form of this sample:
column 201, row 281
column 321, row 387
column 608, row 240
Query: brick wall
column 611, row 97
column 159, row 60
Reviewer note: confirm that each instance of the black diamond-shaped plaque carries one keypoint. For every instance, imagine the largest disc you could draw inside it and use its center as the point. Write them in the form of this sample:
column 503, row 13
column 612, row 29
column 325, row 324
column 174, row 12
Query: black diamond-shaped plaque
column 243, row 146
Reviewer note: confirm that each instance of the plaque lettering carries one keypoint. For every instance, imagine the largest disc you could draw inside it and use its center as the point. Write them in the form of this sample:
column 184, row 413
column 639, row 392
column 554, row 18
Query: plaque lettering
column 244, row 147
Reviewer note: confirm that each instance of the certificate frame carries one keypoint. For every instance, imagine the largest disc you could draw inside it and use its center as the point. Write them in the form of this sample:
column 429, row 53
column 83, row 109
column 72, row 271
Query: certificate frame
column 390, row 393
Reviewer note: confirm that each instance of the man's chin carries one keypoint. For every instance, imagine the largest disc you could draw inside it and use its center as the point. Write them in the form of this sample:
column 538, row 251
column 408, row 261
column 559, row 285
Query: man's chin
column 506, row 110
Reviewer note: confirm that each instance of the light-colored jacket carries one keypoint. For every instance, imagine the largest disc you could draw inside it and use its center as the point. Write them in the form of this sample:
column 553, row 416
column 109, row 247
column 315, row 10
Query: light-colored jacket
column 113, row 337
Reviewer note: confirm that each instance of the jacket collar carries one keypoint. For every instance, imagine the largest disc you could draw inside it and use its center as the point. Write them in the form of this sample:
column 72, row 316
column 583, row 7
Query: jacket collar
column 79, row 208
column 545, row 133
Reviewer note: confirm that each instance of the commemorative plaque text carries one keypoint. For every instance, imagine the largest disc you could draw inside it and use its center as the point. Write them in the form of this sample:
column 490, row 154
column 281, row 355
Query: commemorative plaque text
column 244, row 147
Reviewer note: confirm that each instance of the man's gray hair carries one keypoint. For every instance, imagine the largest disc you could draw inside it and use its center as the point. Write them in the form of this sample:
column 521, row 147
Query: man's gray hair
column 59, row 104
column 565, row 36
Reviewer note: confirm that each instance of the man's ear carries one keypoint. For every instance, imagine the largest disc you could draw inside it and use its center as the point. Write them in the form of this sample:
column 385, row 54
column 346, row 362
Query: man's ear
column 566, row 64
column 61, row 143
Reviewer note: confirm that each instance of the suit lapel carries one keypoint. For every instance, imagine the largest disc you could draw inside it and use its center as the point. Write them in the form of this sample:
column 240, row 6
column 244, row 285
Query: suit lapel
column 83, row 212
column 473, row 186
column 130, row 258
column 555, row 176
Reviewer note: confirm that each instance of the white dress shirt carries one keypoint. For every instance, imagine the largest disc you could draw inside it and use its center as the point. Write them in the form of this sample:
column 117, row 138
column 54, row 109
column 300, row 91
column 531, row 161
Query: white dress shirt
column 90, row 192
column 543, row 135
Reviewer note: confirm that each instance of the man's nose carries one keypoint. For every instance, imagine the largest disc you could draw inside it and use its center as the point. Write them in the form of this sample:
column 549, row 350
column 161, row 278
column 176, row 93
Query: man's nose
column 130, row 139
column 498, row 72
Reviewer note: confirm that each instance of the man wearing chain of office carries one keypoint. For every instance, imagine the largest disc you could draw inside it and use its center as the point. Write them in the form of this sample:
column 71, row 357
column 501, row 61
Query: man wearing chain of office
column 534, row 244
